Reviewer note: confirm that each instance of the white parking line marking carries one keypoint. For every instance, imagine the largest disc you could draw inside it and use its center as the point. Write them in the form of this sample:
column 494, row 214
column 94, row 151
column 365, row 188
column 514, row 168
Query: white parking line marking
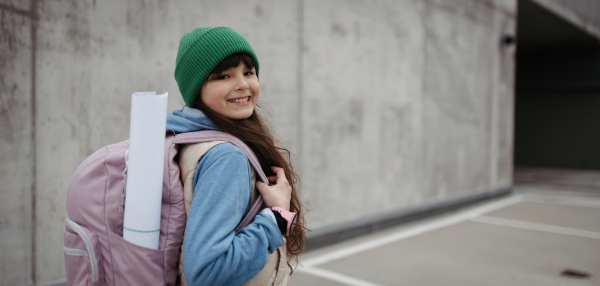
column 576, row 202
column 337, row 277
column 419, row 229
column 536, row 226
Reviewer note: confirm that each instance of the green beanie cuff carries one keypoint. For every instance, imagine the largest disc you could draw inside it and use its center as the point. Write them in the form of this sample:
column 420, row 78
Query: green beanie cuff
column 200, row 51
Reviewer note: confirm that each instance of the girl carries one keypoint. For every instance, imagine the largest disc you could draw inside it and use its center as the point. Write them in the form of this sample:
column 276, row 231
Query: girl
column 217, row 73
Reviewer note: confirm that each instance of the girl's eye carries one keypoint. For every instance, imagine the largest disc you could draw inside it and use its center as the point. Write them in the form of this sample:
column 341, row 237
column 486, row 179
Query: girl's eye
column 224, row 76
column 248, row 73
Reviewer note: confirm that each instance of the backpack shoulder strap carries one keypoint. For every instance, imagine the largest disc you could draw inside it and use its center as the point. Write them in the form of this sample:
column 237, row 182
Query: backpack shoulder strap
column 211, row 135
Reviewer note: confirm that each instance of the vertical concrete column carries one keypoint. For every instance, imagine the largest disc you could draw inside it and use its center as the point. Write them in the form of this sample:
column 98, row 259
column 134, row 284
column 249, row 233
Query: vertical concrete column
column 505, row 89
column 462, row 104
column 16, row 144
column 362, row 86
column 63, row 128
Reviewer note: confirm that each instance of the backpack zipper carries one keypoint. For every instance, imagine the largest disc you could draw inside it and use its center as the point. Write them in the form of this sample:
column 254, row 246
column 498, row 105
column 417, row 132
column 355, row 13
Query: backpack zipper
column 122, row 206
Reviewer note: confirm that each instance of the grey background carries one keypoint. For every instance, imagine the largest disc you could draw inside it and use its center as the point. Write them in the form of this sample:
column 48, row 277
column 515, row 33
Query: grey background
column 385, row 105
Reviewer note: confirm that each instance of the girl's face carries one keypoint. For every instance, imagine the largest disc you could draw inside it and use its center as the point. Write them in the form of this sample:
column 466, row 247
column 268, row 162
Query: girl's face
column 233, row 94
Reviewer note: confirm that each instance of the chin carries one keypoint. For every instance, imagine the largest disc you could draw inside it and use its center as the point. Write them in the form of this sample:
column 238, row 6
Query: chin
column 241, row 115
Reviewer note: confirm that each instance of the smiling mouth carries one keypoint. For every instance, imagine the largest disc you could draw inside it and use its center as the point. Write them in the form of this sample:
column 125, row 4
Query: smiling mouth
column 239, row 100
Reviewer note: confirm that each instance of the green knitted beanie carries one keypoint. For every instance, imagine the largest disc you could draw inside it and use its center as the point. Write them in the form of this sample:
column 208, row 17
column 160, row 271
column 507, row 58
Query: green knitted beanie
column 200, row 51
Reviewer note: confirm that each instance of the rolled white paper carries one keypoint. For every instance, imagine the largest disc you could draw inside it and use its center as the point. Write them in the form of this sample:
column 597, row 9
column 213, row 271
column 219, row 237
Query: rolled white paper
column 143, row 195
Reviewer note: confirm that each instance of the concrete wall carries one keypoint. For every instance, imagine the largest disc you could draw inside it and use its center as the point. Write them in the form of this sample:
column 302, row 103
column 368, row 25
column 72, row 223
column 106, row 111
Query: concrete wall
column 386, row 105
column 16, row 147
column 403, row 110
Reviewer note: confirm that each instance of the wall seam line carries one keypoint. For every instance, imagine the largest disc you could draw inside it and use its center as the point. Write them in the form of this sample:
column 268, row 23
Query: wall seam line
column 34, row 27
column 424, row 166
column 300, row 83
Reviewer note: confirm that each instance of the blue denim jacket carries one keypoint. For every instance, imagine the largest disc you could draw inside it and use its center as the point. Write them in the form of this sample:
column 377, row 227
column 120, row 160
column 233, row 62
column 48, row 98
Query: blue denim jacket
column 213, row 253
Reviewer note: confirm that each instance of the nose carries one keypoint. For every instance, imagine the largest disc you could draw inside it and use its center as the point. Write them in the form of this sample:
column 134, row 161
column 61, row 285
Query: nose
column 241, row 84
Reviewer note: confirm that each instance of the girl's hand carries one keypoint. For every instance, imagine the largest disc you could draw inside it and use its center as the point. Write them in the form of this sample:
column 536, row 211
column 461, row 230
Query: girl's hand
column 279, row 194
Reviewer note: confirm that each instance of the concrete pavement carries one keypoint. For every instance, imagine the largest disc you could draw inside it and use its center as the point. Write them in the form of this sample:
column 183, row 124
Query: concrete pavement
column 528, row 238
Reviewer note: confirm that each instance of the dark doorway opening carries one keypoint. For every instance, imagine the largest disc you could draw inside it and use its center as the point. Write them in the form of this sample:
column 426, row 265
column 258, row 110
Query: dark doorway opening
column 557, row 97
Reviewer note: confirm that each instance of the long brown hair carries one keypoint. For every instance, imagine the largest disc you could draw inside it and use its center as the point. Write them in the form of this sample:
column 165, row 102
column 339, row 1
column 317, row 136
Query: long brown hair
column 256, row 133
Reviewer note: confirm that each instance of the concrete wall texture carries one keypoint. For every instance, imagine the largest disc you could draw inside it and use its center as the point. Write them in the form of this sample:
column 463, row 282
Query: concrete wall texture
column 386, row 105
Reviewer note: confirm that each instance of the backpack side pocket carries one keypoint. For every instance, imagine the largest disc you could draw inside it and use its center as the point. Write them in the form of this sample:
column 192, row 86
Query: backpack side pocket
column 136, row 265
column 82, row 256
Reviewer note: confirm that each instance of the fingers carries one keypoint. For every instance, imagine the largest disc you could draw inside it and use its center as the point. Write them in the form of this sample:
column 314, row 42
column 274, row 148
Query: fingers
column 280, row 174
column 261, row 186
column 279, row 194
column 276, row 169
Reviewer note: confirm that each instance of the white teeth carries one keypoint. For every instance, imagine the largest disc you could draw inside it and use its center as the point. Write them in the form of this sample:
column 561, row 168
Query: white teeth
column 238, row 100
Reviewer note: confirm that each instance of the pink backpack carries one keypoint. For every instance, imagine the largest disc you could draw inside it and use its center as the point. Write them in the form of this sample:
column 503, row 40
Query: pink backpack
column 94, row 248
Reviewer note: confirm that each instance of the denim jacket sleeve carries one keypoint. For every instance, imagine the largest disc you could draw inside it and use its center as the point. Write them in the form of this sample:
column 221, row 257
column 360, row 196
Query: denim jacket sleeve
column 213, row 253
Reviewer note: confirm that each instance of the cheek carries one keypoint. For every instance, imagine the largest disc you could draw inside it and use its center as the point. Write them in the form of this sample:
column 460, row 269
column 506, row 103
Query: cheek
column 255, row 87
column 212, row 98
column 208, row 100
